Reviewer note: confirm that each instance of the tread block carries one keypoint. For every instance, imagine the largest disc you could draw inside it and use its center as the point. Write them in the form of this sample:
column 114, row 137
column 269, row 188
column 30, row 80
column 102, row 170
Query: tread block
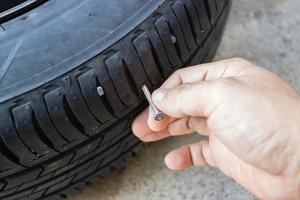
column 193, row 18
column 111, row 96
column 133, row 66
column 220, row 5
column 168, row 40
column 45, row 125
column 143, row 48
column 212, row 6
column 176, row 30
column 13, row 143
column 203, row 16
column 29, row 135
column 80, row 112
column 159, row 52
column 88, row 84
column 186, row 24
column 54, row 101
column 121, row 80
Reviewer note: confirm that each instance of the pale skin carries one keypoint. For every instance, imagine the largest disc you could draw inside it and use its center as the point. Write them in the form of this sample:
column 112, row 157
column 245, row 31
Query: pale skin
column 251, row 118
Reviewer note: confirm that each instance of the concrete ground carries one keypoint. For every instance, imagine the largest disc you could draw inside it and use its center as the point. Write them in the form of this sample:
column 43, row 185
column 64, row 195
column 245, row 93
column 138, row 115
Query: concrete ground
column 266, row 32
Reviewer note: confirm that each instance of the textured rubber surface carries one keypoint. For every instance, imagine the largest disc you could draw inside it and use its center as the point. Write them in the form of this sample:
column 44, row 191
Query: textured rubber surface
column 56, row 133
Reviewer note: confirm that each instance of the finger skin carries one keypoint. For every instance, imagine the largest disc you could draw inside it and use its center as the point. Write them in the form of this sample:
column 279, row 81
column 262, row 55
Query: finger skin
column 189, row 125
column 149, row 130
column 257, row 181
column 156, row 130
column 157, row 126
column 193, row 100
column 207, row 72
column 187, row 156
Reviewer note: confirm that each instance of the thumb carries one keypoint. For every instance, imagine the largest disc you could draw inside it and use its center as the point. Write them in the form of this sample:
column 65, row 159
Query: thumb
column 190, row 100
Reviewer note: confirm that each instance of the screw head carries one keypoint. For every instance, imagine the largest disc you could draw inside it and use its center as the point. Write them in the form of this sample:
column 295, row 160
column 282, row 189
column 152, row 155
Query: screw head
column 173, row 38
column 159, row 117
column 57, row 93
column 92, row 74
column 28, row 107
column 100, row 91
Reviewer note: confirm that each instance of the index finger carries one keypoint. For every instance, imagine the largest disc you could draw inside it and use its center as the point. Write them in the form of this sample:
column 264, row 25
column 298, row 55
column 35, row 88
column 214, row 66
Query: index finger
column 207, row 72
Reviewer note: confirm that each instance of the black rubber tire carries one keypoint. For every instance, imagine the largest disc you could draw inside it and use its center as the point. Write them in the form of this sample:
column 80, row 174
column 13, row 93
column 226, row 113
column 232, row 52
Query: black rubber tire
column 56, row 132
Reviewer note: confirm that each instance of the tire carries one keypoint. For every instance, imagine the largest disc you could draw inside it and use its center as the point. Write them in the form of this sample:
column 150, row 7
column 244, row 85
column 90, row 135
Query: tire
column 56, row 132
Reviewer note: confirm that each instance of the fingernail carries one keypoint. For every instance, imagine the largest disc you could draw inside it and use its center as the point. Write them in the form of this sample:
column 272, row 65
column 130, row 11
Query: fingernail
column 159, row 95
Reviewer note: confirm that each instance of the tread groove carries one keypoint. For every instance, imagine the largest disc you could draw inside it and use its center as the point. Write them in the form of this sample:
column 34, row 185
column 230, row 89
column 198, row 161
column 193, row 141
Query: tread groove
column 9, row 154
column 21, row 139
column 174, row 41
column 115, row 87
column 104, row 99
column 129, row 77
column 40, row 132
column 190, row 19
column 207, row 8
column 156, row 59
column 89, row 109
column 52, row 122
column 72, row 117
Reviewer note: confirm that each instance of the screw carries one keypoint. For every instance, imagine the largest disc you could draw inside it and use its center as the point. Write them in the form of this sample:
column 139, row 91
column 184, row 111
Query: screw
column 27, row 107
column 173, row 38
column 57, row 93
column 158, row 116
column 100, row 91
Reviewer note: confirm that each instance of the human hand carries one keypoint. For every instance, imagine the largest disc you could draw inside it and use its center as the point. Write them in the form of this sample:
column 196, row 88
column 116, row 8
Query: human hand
column 251, row 118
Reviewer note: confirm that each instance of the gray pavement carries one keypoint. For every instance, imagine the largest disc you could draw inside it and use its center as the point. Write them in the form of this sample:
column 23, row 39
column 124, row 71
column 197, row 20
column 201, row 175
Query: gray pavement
column 266, row 32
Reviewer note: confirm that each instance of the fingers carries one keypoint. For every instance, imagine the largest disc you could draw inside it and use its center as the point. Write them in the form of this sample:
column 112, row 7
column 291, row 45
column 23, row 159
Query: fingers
column 207, row 72
column 192, row 100
column 189, row 125
column 149, row 130
column 193, row 91
column 196, row 154
column 180, row 127
column 157, row 126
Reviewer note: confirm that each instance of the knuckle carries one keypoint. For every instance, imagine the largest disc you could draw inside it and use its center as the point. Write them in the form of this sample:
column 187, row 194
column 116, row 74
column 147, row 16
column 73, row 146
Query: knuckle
column 190, row 124
column 219, row 90
column 179, row 71
column 181, row 94
column 240, row 61
column 176, row 73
